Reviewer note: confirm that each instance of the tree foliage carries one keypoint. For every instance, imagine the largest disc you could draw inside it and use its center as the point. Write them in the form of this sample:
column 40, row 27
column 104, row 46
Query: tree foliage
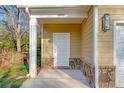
column 7, row 41
column 16, row 21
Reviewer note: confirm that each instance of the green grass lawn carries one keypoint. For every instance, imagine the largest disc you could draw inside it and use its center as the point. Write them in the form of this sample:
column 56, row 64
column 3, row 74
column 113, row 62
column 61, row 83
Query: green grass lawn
column 11, row 78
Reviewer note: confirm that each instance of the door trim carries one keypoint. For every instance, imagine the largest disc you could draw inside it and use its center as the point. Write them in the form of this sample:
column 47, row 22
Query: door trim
column 114, row 47
column 68, row 34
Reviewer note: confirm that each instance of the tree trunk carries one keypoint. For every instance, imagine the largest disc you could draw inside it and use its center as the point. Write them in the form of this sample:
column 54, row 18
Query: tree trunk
column 18, row 38
column 18, row 44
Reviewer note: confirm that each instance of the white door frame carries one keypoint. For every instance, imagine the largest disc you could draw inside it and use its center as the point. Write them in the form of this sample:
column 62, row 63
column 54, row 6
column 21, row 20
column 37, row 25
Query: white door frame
column 114, row 47
column 68, row 45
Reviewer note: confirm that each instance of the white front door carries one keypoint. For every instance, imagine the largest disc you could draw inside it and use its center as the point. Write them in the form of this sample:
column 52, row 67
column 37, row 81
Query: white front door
column 61, row 49
column 119, row 53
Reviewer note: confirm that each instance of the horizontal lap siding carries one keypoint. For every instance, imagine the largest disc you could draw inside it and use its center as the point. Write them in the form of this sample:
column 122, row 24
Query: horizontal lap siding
column 75, row 38
column 105, row 39
column 87, row 37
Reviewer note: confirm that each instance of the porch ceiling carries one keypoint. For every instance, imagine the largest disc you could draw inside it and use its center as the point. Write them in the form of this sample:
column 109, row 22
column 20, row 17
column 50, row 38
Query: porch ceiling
column 74, row 14
column 59, row 14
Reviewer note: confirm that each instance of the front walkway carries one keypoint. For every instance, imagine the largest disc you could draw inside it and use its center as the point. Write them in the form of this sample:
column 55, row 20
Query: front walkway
column 57, row 79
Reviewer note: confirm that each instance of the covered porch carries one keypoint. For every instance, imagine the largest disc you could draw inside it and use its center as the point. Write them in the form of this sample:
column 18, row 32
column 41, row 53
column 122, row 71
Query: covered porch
column 72, row 27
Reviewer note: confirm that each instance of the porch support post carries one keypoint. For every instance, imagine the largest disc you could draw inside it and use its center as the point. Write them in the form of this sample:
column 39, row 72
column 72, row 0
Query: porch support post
column 95, row 45
column 41, row 44
column 33, row 48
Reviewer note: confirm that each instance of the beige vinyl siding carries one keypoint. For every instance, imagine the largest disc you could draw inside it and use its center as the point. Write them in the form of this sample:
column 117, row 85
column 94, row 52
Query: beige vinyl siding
column 105, row 39
column 75, row 38
column 87, row 37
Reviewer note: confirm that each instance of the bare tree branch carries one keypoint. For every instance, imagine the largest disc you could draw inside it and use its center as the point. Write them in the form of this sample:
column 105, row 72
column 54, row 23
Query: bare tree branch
column 16, row 22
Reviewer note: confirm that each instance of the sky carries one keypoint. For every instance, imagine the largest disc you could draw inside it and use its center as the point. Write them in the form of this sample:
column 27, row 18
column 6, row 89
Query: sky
column 24, row 17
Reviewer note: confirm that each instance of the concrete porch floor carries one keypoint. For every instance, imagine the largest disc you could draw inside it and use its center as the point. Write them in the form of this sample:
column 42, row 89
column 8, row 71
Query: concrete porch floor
column 59, row 78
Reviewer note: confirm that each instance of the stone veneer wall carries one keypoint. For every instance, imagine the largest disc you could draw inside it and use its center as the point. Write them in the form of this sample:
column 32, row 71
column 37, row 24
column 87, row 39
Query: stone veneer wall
column 106, row 76
column 75, row 63
column 86, row 68
column 89, row 71
column 47, row 63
